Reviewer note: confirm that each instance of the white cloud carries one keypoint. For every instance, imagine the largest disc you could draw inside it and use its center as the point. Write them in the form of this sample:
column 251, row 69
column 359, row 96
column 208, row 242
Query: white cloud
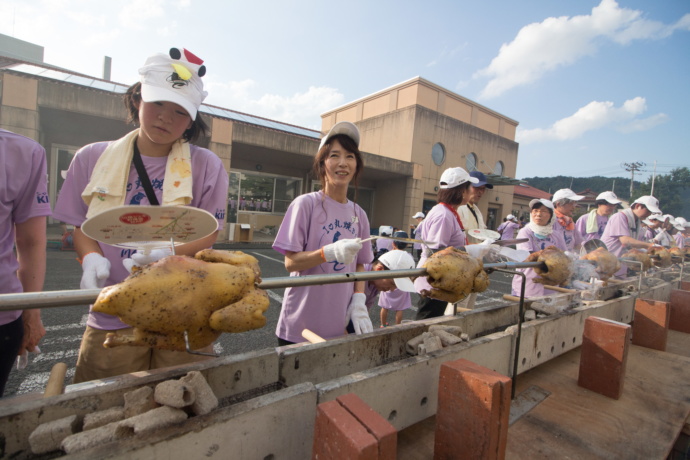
column 302, row 109
column 542, row 47
column 137, row 15
column 594, row 116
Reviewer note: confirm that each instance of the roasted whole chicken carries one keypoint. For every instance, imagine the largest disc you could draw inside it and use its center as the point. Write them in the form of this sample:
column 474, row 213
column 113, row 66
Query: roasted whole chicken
column 211, row 293
column 558, row 266
column 661, row 257
column 454, row 274
column 678, row 253
column 640, row 256
column 607, row 264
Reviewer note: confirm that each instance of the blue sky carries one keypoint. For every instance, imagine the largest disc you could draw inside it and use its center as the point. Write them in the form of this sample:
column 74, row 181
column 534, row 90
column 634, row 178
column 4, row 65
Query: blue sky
column 593, row 83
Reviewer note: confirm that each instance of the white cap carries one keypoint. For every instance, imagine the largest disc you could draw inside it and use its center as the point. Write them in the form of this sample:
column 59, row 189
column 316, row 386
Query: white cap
column 656, row 216
column 543, row 201
column 649, row 202
column 399, row 260
column 386, row 229
column 567, row 194
column 666, row 217
column 677, row 225
column 344, row 127
column 610, row 197
column 174, row 77
column 452, row 177
column 419, row 215
column 683, row 222
column 510, row 217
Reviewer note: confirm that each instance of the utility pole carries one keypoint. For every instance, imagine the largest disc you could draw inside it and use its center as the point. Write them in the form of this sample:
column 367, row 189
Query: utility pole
column 653, row 178
column 632, row 167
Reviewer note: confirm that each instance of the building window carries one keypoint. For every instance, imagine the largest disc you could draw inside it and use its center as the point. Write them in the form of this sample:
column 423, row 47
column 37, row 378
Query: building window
column 471, row 162
column 438, row 154
column 264, row 193
column 498, row 169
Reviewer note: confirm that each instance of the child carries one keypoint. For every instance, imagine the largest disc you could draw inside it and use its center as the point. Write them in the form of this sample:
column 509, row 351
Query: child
column 173, row 172
column 321, row 234
column 397, row 300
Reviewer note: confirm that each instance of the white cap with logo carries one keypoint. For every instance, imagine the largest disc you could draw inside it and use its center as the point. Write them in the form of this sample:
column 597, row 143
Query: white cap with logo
column 566, row 194
column 174, row 77
column 609, row 197
column 649, row 202
column 452, row 177
column 399, row 260
column 543, row 201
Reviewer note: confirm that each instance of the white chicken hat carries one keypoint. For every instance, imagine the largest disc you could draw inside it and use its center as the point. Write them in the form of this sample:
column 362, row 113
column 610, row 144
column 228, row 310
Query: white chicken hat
column 174, row 77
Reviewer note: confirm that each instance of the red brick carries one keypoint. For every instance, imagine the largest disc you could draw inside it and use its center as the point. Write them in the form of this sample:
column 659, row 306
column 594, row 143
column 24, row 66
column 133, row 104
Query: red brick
column 376, row 425
column 680, row 311
column 472, row 414
column 337, row 434
column 685, row 285
column 650, row 328
column 603, row 356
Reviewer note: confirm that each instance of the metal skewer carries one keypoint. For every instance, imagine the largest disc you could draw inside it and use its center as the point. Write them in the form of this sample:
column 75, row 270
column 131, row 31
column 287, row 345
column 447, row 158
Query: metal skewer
column 49, row 299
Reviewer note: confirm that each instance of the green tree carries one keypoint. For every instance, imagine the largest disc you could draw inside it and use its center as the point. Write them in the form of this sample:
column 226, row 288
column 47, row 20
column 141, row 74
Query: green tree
column 672, row 190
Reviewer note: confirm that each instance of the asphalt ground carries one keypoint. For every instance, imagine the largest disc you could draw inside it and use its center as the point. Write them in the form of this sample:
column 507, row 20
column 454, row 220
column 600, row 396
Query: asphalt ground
column 65, row 325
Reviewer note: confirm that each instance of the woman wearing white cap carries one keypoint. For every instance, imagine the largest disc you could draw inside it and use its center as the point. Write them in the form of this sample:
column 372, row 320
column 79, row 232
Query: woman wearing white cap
column 564, row 204
column 624, row 229
column 651, row 226
column 540, row 235
column 591, row 225
column 320, row 234
column 509, row 228
column 682, row 227
column 443, row 226
column 154, row 164
column 417, row 247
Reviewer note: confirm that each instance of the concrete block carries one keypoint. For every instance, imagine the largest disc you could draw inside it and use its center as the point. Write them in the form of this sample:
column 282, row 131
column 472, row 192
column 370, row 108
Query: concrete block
column 151, row 420
column 432, row 343
column 48, row 437
column 338, row 434
column 650, row 328
column 603, row 356
column 472, row 414
column 139, row 401
column 447, row 339
column 680, row 311
column 455, row 330
column 89, row 439
column 412, row 345
column 103, row 417
column 379, row 427
column 206, row 400
column 174, row 393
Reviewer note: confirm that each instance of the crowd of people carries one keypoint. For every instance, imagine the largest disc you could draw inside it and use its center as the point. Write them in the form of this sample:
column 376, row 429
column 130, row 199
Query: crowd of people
column 323, row 232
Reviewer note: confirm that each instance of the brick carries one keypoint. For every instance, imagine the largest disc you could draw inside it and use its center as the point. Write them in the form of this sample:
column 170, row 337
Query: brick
column 685, row 285
column 376, row 425
column 338, row 434
column 680, row 311
column 472, row 414
column 48, row 437
column 650, row 327
column 603, row 356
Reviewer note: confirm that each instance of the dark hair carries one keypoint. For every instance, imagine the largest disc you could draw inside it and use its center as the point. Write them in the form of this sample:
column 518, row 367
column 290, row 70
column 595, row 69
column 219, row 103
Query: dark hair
column 542, row 205
column 132, row 100
column 452, row 196
column 320, row 158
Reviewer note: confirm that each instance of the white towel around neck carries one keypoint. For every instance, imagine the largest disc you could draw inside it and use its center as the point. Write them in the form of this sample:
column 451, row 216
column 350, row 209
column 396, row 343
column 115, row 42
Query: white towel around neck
column 107, row 187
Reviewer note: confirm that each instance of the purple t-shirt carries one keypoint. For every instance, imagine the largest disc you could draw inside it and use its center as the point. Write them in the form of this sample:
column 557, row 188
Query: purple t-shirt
column 23, row 195
column 312, row 221
column 581, row 227
column 384, row 243
column 209, row 188
column 509, row 230
column 680, row 240
column 572, row 238
column 395, row 300
column 441, row 227
column 619, row 225
column 534, row 244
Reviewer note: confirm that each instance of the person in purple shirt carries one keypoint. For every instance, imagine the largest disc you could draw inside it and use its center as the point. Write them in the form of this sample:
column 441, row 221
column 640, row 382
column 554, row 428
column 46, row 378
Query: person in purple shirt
column 591, row 225
column 23, row 210
column 397, row 299
column 624, row 229
column 167, row 112
column 540, row 234
column 443, row 227
column 564, row 204
column 320, row 234
column 509, row 228
column 651, row 226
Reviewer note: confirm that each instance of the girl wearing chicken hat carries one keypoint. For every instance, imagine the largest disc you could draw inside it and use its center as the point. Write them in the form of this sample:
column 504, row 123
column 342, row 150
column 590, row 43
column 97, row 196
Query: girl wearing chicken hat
column 153, row 164
column 321, row 234
column 443, row 226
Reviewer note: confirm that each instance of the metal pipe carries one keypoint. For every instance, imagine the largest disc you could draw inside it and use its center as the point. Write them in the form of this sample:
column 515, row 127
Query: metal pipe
column 521, row 317
column 49, row 299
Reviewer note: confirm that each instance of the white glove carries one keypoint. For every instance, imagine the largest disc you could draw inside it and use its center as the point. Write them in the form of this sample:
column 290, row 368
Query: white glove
column 343, row 251
column 96, row 270
column 139, row 259
column 359, row 315
column 23, row 358
column 478, row 251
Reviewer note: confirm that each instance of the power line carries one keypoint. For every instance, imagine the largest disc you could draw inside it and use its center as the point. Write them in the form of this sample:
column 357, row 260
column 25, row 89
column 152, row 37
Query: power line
column 632, row 167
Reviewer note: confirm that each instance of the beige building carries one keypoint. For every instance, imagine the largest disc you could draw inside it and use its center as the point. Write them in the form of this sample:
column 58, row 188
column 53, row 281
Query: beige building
column 411, row 132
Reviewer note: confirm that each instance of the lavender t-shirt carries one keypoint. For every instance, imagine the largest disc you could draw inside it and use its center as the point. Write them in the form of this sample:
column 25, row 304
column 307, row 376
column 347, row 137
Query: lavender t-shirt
column 680, row 240
column 534, row 244
column 442, row 227
column 618, row 226
column 581, row 227
column 509, row 230
column 572, row 238
column 209, row 188
column 312, row 221
column 23, row 195
column 396, row 299
column 384, row 243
